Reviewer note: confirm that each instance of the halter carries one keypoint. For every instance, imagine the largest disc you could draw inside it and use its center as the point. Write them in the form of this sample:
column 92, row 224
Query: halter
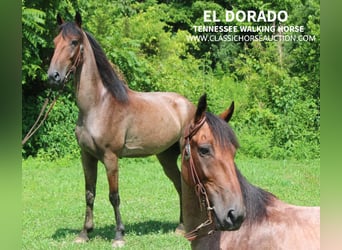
column 36, row 126
column 196, row 181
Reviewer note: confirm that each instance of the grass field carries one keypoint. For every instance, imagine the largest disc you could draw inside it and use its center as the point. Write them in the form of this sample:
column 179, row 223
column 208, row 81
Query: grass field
column 53, row 201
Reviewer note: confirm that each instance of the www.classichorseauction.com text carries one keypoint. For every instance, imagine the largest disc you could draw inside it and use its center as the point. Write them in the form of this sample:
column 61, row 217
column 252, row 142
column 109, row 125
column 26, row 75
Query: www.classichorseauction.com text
column 274, row 27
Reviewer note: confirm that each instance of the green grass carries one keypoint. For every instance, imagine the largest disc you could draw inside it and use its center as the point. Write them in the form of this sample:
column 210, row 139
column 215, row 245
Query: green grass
column 53, row 201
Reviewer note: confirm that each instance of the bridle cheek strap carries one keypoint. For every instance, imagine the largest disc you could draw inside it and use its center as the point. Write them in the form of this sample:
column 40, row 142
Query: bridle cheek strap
column 200, row 190
column 76, row 63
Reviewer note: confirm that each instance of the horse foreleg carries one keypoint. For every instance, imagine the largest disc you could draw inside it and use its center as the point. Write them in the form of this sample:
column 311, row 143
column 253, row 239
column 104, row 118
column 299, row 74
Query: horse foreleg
column 168, row 159
column 89, row 164
column 112, row 169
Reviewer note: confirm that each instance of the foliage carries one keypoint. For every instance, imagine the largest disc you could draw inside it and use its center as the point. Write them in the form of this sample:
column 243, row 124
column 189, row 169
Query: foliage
column 275, row 85
column 56, row 137
column 305, row 57
column 33, row 30
column 282, row 109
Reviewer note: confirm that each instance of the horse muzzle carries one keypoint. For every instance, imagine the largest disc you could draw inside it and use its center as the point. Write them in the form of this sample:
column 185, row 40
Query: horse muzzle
column 232, row 220
column 55, row 77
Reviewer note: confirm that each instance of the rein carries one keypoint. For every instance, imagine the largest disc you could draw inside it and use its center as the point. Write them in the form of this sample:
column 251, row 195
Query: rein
column 39, row 121
column 199, row 187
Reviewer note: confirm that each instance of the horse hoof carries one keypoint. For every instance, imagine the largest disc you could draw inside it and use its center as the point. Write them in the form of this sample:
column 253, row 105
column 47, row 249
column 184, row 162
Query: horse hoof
column 80, row 240
column 118, row 243
column 180, row 230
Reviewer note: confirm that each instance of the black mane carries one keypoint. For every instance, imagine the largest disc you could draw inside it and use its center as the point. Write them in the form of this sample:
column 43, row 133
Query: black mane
column 70, row 28
column 110, row 78
column 108, row 75
column 222, row 132
column 256, row 199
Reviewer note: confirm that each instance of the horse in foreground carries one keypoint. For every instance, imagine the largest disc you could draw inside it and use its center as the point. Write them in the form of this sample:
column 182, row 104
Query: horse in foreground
column 113, row 120
column 221, row 209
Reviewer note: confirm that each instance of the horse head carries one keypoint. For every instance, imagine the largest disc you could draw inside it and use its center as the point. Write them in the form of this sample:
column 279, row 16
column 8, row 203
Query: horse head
column 208, row 166
column 68, row 50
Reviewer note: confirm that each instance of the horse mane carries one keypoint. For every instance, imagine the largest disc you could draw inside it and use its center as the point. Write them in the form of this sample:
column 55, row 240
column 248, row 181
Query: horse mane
column 110, row 78
column 256, row 199
column 69, row 28
column 221, row 131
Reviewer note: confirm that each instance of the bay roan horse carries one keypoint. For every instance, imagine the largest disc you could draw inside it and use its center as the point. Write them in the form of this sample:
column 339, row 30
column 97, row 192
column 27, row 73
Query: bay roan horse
column 113, row 120
column 218, row 199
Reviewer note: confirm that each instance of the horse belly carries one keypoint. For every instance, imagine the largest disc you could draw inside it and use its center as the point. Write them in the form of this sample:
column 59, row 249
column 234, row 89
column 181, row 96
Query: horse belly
column 151, row 137
column 140, row 147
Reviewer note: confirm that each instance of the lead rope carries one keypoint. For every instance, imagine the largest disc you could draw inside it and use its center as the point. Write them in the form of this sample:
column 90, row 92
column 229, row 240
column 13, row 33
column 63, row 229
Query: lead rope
column 39, row 121
column 35, row 127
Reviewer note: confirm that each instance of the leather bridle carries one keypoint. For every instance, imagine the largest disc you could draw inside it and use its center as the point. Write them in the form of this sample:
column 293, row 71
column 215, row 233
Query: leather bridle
column 72, row 69
column 196, row 181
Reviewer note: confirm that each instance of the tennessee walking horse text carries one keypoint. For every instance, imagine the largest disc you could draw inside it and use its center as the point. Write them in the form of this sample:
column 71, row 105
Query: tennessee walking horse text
column 113, row 120
column 221, row 209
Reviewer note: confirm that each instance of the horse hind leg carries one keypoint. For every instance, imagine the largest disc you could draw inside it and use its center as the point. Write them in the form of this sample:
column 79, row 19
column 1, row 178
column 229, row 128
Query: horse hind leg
column 168, row 159
column 89, row 164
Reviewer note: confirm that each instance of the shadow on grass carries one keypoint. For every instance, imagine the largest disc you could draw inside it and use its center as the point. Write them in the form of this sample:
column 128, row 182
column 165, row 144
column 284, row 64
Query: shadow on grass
column 107, row 232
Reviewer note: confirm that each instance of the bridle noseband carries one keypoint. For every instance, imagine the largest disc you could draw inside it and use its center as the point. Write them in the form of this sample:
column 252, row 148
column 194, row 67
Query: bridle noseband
column 196, row 181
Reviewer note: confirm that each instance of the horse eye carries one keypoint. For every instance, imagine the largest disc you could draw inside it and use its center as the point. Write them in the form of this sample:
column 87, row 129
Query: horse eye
column 204, row 150
column 74, row 42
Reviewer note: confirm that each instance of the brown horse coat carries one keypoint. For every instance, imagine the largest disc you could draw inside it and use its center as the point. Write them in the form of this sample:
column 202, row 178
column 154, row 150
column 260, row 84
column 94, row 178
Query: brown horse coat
column 268, row 223
column 285, row 227
column 113, row 120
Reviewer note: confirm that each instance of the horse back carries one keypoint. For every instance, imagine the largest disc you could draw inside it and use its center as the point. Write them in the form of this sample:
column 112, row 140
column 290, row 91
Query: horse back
column 285, row 227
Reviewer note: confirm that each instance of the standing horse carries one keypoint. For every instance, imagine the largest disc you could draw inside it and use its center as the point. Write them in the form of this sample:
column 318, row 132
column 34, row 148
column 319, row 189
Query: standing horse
column 213, row 190
column 113, row 120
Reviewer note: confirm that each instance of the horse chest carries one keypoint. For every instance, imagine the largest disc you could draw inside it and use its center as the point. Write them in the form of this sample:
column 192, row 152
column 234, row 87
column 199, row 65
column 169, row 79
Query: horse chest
column 92, row 138
column 85, row 139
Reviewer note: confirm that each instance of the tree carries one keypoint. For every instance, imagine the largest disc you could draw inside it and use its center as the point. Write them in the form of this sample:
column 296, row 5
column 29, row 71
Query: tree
column 32, row 40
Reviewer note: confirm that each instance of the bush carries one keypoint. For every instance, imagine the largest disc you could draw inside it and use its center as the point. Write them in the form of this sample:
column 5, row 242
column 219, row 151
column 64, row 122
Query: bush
column 278, row 107
column 56, row 137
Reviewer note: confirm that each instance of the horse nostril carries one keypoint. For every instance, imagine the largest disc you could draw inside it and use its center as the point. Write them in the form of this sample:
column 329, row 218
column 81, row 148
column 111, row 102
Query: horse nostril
column 231, row 216
column 54, row 77
column 235, row 218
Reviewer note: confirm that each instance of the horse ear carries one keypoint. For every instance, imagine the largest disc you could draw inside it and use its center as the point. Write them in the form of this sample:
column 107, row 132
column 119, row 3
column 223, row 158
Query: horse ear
column 60, row 20
column 78, row 19
column 201, row 108
column 227, row 114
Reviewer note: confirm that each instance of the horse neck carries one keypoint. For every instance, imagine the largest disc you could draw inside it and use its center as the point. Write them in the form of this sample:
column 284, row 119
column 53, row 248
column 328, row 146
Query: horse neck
column 88, row 82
